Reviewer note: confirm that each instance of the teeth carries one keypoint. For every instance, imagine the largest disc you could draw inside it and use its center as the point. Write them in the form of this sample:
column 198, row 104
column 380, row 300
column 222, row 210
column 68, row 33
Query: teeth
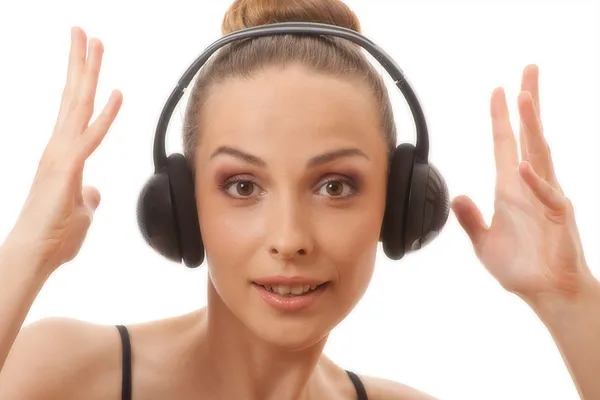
column 282, row 289
column 290, row 291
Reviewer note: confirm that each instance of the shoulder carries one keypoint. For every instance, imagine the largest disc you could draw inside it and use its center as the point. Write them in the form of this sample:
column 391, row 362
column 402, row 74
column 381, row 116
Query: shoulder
column 380, row 389
column 63, row 358
column 376, row 388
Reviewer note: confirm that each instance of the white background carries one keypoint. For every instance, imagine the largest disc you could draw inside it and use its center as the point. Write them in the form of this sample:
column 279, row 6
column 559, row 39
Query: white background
column 436, row 320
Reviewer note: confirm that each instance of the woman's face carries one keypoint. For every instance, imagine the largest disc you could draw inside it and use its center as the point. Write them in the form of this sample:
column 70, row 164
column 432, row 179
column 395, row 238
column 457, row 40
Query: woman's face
column 290, row 184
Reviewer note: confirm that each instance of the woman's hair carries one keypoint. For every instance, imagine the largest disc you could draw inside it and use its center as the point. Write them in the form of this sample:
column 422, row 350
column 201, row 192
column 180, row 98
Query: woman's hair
column 332, row 56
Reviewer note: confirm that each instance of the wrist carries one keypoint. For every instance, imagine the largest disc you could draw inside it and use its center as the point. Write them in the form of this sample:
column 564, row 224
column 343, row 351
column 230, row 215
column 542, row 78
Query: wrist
column 18, row 254
column 557, row 308
column 573, row 321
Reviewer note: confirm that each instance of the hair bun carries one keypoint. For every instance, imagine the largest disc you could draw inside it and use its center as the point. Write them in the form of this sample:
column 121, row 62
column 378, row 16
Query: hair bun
column 249, row 13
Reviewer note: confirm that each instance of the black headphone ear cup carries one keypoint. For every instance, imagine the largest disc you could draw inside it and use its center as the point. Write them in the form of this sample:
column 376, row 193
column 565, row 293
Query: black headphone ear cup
column 155, row 216
column 185, row 209
column 398, row 187
column 417, row 204
column 167, row 213
column 428, row 207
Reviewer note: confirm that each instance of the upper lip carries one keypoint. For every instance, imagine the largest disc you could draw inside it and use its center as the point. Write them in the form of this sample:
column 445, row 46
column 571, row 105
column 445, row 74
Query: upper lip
column 288, row 281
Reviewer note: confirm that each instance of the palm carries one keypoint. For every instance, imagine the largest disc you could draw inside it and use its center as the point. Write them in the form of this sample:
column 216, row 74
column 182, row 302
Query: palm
column 521, row 248
column 60, row 210
column 532, row 245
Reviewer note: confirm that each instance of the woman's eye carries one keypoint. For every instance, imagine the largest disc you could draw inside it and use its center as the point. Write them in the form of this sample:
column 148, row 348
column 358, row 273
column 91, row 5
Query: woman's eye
column 241, row 189
column 336, row 188
column 246, row 189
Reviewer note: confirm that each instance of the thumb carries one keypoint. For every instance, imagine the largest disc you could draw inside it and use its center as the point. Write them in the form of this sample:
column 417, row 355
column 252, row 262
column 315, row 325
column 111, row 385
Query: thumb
column 91, row 197
column 470, row 218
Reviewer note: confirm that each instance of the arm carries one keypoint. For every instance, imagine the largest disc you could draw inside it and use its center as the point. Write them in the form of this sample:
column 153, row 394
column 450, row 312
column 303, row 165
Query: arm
column 58, row 211
column 21, row 282
column 574, row 324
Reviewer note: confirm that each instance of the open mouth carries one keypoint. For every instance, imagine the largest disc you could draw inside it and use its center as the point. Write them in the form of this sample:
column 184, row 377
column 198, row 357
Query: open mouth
column 293, row 290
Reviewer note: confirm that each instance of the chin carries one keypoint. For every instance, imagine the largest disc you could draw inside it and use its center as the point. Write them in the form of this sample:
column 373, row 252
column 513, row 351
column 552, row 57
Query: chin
column 291, row 329
column 289, row 333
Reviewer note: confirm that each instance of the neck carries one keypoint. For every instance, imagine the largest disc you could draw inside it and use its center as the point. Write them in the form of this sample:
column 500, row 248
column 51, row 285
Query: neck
column 243, row 365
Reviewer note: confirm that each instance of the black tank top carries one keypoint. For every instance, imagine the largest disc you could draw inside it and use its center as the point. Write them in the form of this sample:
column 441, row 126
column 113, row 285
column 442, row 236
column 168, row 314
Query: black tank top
column 126, row 389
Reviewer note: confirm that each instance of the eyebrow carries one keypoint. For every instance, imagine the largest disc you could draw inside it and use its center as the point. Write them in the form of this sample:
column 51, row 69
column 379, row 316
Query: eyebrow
column 313, row 162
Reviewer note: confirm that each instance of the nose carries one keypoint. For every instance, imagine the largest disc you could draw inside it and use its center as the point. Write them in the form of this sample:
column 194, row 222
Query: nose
column 290, row 232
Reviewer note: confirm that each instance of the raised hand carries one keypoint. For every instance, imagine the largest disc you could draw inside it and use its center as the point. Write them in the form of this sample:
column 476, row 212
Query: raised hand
column 532, row 246
column 58, row 211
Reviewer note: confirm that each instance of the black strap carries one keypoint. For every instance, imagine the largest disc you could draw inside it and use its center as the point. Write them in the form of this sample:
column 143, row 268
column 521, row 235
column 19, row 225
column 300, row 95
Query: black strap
column 358, row 385
column 126, row 378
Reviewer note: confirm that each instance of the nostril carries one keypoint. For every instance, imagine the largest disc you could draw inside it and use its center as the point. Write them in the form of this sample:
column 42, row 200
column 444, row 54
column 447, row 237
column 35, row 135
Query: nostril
column 274, row 251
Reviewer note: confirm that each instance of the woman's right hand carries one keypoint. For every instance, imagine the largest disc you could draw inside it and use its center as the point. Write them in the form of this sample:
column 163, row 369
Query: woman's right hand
column 57, row 214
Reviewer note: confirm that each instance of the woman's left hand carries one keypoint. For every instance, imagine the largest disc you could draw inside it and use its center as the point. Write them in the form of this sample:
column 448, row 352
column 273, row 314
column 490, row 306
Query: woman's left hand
column 532, row 246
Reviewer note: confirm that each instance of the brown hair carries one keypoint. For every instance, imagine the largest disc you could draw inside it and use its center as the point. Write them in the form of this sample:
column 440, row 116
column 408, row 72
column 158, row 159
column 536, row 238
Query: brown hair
column 331, row 55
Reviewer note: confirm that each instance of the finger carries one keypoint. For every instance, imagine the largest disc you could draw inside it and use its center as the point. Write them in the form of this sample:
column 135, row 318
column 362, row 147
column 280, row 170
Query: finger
column 470, row 219
column 523, row 143
column 77, row 56
column 91, row 197
column 545, row 192
column 89, row 83
column 96, row 132
column 538, row 150
column 92, row 70
column 505, row 145
column 530, row 83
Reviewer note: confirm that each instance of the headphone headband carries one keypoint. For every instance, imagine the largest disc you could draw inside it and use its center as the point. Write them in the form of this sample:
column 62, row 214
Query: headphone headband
column 301, row 28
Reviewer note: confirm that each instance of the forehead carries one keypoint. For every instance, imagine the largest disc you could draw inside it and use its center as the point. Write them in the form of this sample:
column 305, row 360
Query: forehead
column 290, row 109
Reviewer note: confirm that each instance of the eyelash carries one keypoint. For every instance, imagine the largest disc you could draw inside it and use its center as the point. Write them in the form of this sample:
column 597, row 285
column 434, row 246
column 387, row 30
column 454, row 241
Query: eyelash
column 226, row 185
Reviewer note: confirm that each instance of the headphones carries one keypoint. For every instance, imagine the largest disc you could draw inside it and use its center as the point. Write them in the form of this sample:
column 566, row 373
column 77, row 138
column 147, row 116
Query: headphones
column 417, row 201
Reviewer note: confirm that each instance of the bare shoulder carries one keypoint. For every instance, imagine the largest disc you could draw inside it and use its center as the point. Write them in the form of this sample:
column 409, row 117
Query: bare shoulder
column 376, row 388
column 384, row 389
column 63, row 358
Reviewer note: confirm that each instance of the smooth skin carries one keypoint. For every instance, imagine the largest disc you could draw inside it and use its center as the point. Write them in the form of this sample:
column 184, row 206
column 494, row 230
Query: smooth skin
column 63, row 358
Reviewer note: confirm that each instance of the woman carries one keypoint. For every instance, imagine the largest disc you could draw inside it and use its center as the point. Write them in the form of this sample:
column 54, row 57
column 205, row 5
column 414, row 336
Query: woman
column 265, row 213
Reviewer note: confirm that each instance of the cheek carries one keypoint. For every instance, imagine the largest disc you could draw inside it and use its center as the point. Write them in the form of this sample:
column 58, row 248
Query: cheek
column 229, row 234
column 349, row 239
column 350, row 244
column 230, row 242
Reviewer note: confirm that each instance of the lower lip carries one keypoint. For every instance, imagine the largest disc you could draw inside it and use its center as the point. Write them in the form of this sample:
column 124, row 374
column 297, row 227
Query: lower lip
column 295, row 303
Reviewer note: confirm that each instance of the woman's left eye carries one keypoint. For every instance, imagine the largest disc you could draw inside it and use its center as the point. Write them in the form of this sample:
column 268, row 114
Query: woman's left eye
column 337, row 188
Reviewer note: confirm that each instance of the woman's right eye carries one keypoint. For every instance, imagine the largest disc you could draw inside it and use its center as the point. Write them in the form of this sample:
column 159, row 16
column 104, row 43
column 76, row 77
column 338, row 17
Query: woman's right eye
column 240, row 188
